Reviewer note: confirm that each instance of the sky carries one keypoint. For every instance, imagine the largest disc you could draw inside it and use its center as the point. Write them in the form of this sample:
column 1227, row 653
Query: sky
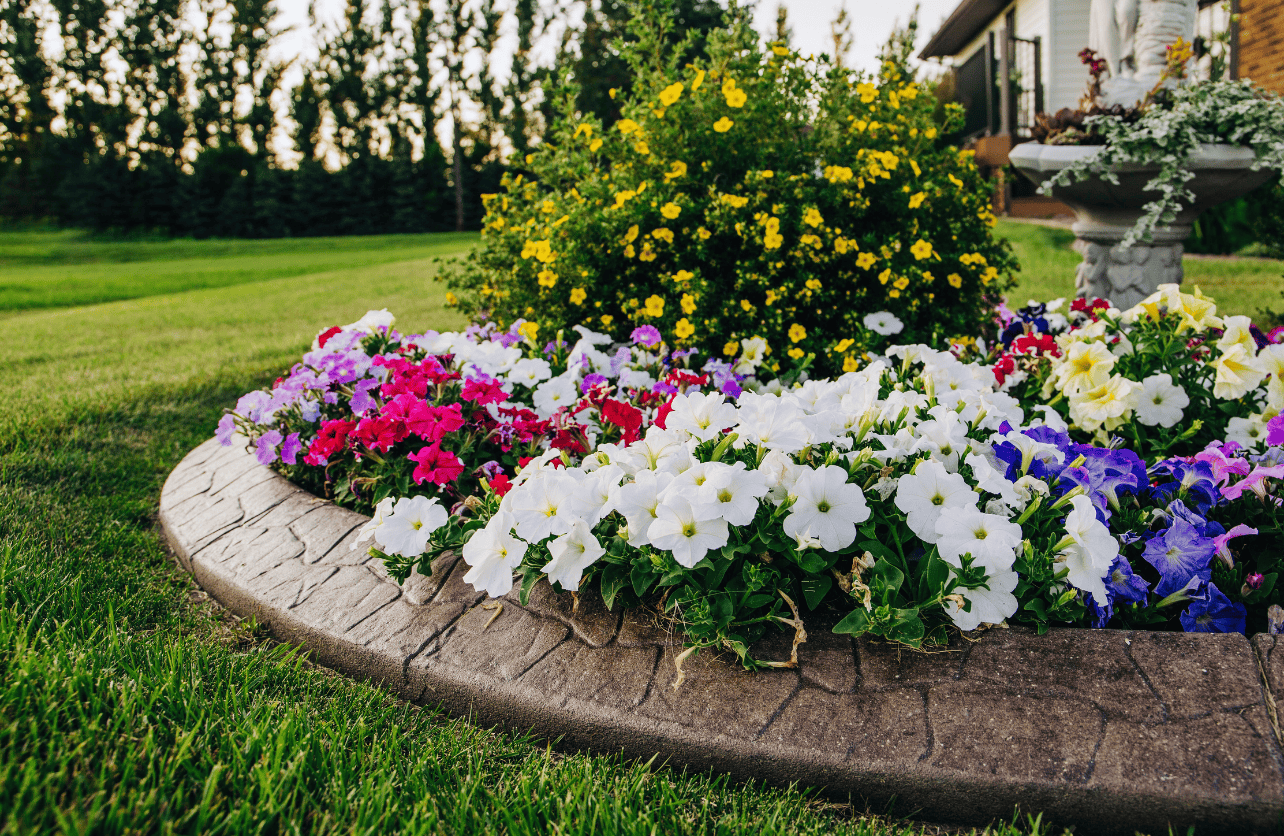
column 872, row 22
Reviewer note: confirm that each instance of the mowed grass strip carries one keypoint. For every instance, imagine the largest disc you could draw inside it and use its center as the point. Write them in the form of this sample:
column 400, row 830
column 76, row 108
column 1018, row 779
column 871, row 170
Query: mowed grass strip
column 128, row 705
column 62, row 269
column 1240, row 285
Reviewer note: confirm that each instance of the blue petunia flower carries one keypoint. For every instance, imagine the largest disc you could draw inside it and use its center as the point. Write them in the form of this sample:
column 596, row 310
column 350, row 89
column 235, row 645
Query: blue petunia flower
column 1193, row 481
column 1210, row 611
column 1123, row 585
column 1179, row 554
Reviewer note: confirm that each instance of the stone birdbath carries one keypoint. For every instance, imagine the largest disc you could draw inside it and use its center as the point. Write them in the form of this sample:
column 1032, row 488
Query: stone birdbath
column 1106, row 211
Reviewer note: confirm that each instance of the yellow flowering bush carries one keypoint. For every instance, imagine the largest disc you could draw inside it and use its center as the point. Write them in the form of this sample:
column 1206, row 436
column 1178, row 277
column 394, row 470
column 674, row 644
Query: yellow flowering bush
column 756, row 193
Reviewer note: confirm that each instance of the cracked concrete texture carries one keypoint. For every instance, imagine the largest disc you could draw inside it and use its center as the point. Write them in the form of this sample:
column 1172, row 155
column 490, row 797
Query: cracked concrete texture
column 1111, row 731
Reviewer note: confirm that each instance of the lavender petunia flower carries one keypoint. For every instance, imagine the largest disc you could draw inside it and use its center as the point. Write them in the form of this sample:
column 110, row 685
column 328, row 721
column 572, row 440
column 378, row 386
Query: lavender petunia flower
column 226, row 429
column 590, row 381
column 290, row 449
column 1210, row 611
column 647, row 335
column 1179, row 554
column 266, row 447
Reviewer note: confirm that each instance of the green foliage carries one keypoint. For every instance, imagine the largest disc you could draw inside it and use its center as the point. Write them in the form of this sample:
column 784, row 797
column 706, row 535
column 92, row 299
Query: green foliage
column 751, row 193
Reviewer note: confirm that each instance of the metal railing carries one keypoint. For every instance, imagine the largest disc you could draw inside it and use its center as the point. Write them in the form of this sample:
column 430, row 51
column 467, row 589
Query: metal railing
column 995, row 108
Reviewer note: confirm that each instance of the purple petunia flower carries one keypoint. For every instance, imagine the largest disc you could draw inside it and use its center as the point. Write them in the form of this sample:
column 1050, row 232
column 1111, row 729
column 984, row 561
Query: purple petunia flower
column 590, row 381
column 1193, row 482
column 646, row 335
column 731, row 388
column 1210, row 611
column 1275, row 430
column 1123, row 585
column 290, row 448
column 265, row 447
column 361, row 398
column 1180, row 554
column 226, row 429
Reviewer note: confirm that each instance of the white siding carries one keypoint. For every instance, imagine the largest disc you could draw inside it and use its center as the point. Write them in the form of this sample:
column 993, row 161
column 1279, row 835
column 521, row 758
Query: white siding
column 1033, row 19
column 1067, row 76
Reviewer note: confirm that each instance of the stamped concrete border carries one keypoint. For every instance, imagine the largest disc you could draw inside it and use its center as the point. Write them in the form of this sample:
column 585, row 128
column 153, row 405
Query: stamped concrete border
column 1112, row 731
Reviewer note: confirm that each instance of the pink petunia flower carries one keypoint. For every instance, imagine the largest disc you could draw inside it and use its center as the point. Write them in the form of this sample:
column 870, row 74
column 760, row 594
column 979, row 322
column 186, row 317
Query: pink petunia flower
column 436, row 465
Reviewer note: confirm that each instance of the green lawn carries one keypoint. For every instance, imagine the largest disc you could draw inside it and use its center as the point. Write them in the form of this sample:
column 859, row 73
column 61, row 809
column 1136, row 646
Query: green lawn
column 59, row 269
column 1240, row 285
column 128, row 703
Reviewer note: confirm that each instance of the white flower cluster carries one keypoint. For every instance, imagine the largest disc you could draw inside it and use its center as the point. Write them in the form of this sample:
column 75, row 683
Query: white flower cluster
column 921, row 437
column 1100, row 398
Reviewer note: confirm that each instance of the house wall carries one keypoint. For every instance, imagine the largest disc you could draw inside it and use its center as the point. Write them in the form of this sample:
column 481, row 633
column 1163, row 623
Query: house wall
column 1261, row 43
column 1067, row 77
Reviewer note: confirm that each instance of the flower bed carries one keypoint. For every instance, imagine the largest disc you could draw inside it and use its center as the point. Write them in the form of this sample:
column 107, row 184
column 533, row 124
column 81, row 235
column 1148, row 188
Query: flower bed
column 929, row 490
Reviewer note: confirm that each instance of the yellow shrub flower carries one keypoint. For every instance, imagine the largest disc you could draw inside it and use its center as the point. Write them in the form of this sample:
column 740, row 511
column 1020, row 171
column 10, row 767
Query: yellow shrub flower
column 624, row 197
column 796, row 353
column 628, row 126
column 594, row 145
column 955, row 280
column 746, row 305
column 867, row 92
column 851, row 364
column 584, row 130
column 810, row 240
column 683, row 276
column 451, row 300
column 797, row 333
column 837, row 173
column 547, row 278
column 901, row 283
column 734, row 96
column 814, row 284
column 723, row 125
column 683, row 329
column 663, row 234
column 841, row 245
column 654, row 306
column 704, row 234
column 697, row 81
column 865, row 260
column 989, row 275
column 671, row 94
column 607, row 319
column 916, row 200
column 772, row 296
column 921, row 249
column 631, row 235
column 679, row 169
column 958, row 184
column 670, row 210
column 893, row 294
column 642, row 148
column 688, row 303
column 734, row 201
column 529, row 330
column 812, row 217
column 647, row 253
column 844, row 345
column 578, row 295
column 780, row 50
column 731, row 348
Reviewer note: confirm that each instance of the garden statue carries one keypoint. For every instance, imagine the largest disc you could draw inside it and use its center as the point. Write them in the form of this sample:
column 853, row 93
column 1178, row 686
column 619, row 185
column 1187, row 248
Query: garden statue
column 1133, row 37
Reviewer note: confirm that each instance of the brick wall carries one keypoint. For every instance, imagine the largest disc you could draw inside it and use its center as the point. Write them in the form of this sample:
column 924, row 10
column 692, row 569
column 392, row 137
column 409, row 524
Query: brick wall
column 1261, row 42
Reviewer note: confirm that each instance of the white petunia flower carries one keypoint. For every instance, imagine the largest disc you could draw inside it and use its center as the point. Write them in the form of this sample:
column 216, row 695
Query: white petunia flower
column 987, row 606
column 1161, row 401
column 572, row 553
column 1247, row 432
column 494, row 554
column 771, row 422
column 991, row 540
column 1088, row 549
column 530, row 372
column 638, row 501
column 373, row 321
column 381, row 512
column 547, row 504
column 731, row 492
column 552, row 395
column 702, row 414
column 926, row 492
column 883, row 323
column 826, row 507
column 752, row 352
column 1238, row 373
column 406, row 530
column 688, row 535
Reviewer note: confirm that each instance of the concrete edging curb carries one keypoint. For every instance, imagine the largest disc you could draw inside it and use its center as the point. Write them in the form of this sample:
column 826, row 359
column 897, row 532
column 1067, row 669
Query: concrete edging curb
column 1108, row 730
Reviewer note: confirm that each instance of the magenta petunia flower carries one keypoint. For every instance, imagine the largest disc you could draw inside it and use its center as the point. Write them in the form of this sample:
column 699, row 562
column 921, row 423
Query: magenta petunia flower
column 436, row 465
column 483, row 390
